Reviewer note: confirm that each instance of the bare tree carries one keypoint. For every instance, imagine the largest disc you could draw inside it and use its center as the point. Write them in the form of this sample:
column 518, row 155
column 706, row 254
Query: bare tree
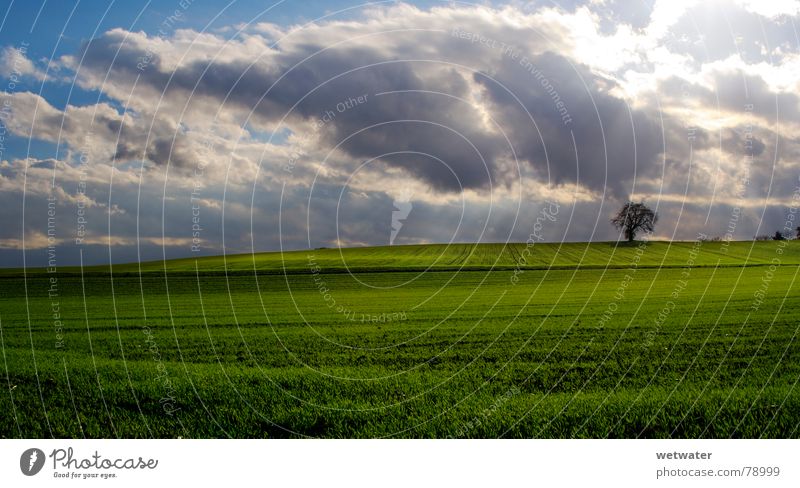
column 634, row 217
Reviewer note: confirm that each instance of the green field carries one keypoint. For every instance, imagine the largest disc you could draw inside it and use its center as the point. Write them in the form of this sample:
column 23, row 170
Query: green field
column 576, row 340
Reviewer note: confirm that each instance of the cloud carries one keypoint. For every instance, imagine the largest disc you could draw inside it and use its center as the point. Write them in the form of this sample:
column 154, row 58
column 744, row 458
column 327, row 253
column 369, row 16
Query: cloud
column 14, row 64
column 775, row 8
column 571, row 128
column 424, row 114
column 497, row 109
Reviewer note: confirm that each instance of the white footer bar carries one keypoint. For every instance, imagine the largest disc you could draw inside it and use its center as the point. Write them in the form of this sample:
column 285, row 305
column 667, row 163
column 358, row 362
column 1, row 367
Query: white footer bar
column 400, row 463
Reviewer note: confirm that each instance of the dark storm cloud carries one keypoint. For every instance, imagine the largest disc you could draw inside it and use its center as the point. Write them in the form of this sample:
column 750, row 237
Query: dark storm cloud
column 563, row 119
column 176, row 152
column 742, row 142
column 454, row 153
column 750, row 93
column 434, row 104
column 612, row 142
column 435, row 137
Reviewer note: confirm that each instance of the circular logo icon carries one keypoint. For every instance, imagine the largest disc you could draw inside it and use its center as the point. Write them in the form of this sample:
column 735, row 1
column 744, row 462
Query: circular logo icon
column 31, row 461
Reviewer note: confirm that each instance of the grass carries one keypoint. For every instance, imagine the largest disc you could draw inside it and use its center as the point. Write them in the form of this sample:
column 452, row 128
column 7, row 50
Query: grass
column 464, row 257
column 417, row 341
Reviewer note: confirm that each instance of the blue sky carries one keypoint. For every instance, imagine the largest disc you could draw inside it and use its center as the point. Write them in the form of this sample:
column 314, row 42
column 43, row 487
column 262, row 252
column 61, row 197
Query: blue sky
column 474, row 117
column 54, row 28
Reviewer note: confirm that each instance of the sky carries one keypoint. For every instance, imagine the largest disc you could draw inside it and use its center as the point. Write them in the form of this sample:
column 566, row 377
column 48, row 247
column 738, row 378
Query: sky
column 143, row 130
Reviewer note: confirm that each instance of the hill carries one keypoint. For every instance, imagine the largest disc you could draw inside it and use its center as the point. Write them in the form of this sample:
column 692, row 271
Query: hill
column 700, row 340
column 475, row 257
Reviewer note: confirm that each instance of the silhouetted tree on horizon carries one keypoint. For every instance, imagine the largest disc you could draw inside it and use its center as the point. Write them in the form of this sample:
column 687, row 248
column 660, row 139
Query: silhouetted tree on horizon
column 634, row 217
